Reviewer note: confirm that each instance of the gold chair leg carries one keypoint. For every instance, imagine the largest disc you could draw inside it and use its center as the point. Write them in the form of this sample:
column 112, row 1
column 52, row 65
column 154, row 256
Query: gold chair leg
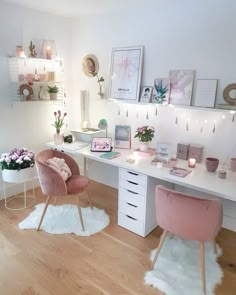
column 81, row 218
column 202, row 260
column 163, row 236
column 89, row 200
column 44, row 211
column 214, row 246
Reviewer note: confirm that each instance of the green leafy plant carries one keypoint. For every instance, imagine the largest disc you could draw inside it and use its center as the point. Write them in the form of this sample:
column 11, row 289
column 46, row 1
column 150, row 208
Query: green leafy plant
column 53, row 89
column 145, row 133
column 161, row 92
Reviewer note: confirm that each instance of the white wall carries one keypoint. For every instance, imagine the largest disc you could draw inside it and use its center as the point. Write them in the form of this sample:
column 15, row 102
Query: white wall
column 176, row 35
column 27, row 124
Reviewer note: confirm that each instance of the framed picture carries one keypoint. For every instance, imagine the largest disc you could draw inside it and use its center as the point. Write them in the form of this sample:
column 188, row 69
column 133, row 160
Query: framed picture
column 122, row 136
column 146, row 94
column 125, row 75
column 101, row 144
column 161, row 91
column 181, row 86
column 206, row 93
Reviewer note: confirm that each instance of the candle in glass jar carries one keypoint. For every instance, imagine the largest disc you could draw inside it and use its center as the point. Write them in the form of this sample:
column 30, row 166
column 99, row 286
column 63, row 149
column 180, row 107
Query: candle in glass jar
column 191, row 162
column 49, row 52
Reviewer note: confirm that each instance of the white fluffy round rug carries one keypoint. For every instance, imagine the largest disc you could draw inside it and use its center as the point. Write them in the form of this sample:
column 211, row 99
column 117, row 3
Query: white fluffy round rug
column 177, row 269
column 64, row 219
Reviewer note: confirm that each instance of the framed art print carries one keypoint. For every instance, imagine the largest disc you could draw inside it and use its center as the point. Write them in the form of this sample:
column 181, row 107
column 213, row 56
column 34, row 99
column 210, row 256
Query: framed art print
column 206, row 93
column 122, row 136
column 181, row 86
column 146, row 94
column 161, row 91
column 125, row 75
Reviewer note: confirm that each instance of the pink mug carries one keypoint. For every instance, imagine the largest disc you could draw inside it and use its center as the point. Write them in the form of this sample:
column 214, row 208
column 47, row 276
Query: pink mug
column 233, row 164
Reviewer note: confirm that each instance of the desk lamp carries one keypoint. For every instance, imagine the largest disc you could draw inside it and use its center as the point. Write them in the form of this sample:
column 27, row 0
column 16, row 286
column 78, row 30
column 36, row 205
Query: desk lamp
column 103, row 125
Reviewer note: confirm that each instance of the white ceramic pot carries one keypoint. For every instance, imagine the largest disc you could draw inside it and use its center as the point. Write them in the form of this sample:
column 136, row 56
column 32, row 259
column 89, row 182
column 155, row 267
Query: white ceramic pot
column 18, row 176
column 143, row 146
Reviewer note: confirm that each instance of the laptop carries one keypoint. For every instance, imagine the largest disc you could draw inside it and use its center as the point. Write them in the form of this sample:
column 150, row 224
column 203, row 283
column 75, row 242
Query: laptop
column 101, row 144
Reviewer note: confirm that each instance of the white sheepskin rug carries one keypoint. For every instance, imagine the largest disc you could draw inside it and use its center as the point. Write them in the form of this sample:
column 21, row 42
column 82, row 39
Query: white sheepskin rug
column 64, row 219
column 177, row 269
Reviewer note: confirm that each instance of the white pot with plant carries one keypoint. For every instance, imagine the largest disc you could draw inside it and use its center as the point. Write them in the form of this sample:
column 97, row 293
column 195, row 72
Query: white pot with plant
column 53, row 90
column 145, row 135
column 17, row 165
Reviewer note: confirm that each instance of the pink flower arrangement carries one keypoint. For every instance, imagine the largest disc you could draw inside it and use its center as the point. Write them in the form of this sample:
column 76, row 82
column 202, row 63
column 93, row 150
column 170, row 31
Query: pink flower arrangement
column 59, row 119
column 145, row 133
column 17, row 159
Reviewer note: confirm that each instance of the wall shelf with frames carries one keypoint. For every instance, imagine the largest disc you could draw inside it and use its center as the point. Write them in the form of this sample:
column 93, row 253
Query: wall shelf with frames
column 30, row 78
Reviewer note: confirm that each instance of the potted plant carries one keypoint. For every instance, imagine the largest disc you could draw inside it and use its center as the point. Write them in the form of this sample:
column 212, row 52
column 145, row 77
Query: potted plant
column 15, row 165
column 59, row 122
column 145, row 135
column 53, row 90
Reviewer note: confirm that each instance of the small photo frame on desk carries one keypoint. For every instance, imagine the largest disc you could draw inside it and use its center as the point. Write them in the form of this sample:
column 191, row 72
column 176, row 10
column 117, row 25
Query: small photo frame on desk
column 122, row 136
column 101, row 144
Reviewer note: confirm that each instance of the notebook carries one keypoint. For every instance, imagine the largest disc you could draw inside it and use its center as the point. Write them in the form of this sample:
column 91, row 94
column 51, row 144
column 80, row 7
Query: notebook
column 110, row 155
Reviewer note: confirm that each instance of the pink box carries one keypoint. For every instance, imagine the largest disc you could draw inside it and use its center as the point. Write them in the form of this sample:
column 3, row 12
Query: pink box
column 195, row 151
column 182, row 151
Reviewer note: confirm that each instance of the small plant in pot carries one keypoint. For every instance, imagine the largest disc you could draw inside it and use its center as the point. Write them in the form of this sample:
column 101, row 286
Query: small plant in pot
column 53, row 90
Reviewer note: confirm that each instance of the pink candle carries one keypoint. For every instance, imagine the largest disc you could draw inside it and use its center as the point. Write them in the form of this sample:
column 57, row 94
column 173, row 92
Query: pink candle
column 191, row 162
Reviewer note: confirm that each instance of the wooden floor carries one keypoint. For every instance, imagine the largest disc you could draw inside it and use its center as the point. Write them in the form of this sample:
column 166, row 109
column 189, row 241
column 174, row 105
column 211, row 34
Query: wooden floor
column 111, row 262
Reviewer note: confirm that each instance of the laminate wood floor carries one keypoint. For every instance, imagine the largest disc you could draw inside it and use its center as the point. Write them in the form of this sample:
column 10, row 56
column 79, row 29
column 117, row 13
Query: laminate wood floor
column 112, row 262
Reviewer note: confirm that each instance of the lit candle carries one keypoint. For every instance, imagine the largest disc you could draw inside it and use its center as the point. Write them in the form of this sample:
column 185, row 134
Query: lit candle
column 191, row 162
column 49, row 52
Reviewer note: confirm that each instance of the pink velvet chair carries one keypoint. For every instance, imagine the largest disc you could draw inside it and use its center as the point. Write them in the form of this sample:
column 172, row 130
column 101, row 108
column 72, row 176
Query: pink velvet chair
column 52, row 183
column 189, row 218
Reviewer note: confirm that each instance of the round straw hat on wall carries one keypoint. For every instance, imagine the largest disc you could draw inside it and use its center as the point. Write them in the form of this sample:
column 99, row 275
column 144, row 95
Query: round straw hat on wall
column 90, row 65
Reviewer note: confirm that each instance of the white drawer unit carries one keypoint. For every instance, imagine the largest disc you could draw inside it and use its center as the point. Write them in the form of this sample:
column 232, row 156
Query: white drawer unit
column 133, row 177
column 131, row 224
column 135, row 211
column 131, row 197
column 136, row 192
column 132, row 186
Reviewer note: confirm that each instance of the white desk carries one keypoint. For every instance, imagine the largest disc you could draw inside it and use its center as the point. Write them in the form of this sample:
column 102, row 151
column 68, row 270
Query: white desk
column 199, row 180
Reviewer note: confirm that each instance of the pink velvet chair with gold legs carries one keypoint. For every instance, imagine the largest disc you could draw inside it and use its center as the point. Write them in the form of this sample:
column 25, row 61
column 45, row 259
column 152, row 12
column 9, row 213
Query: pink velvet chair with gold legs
column 52, row 183
column 189, row 218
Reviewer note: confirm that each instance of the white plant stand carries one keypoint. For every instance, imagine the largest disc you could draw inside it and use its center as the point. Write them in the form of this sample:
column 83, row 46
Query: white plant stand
column 15, row 177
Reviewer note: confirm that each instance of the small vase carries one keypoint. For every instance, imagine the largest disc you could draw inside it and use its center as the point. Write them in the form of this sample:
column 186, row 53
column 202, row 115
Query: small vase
column 143, row 146
column 58, row 138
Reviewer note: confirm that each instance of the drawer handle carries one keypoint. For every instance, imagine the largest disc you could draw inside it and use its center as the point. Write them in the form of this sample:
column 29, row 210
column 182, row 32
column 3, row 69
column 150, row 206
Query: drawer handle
column 132, row 205
column 132, row 182
column 132, row 192
column 131, row 217
column 132, row 173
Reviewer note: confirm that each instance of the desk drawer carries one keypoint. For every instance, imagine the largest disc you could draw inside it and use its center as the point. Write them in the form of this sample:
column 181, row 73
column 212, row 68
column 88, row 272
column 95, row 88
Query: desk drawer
column 131, row 197
column 132, row 186
column 133, row 176
column 131, row 224
column 131, row 210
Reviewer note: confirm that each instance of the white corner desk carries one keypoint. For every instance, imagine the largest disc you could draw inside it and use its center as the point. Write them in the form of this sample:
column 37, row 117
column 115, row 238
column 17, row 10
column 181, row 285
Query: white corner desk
column 136, row 184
